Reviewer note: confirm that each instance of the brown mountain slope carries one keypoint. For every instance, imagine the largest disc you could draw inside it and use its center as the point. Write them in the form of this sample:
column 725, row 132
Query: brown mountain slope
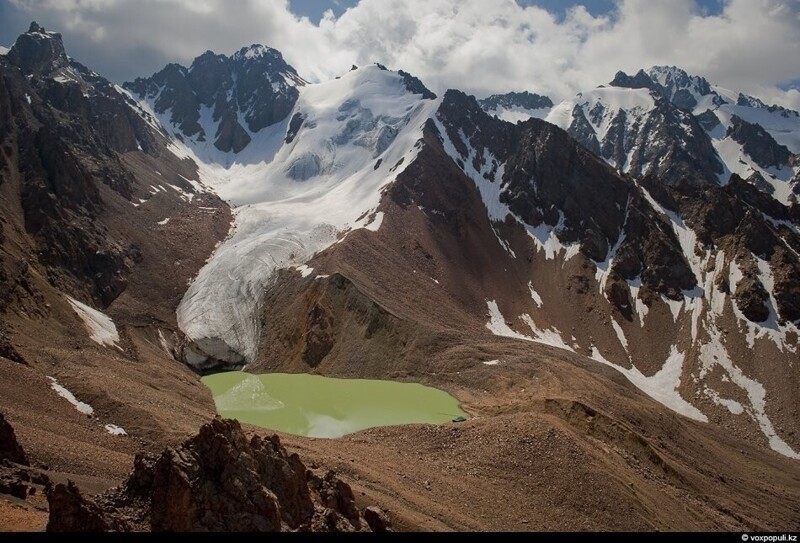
column 570, row 439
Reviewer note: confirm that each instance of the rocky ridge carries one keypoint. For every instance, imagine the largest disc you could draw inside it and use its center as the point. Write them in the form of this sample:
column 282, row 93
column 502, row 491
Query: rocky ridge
column 223, row 99
column 218, row 480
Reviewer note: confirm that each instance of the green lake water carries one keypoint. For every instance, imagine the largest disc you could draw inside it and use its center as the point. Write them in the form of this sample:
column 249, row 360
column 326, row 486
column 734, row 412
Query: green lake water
column 315, row 406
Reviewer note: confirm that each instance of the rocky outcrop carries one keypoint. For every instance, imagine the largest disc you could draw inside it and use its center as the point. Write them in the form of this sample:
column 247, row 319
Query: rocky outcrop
column 415, row 86
column 255, row 85
column 512, row 100
column 38, row 51
column 667, row 141
column 70, row 511
column 377, row 519
column 10, row 449
column 218, row 480
column 758, row 143
column 639, row 81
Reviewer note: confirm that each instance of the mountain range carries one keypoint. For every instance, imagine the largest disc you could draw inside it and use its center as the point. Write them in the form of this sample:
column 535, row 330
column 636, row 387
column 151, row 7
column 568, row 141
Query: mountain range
column 610, row 285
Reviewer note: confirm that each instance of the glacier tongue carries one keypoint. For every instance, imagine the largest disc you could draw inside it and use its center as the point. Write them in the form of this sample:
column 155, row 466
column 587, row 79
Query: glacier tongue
column 358, row 133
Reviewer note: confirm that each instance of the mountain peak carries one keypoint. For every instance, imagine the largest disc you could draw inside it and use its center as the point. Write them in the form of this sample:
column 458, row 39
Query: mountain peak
column 38, row 51
column 525, row 100
column 639, row 81
column 257, row 51
column 223, row 99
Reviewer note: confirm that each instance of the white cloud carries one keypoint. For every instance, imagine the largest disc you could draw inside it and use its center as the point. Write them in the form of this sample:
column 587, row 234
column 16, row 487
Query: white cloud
column 479, row 46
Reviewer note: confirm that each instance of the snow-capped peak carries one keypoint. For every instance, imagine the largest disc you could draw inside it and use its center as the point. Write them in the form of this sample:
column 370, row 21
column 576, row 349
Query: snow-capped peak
column 673, row 79
column 256, row 51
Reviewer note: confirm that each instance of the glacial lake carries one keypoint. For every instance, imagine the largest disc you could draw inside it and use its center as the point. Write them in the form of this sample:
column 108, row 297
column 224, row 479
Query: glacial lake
column 316, row 406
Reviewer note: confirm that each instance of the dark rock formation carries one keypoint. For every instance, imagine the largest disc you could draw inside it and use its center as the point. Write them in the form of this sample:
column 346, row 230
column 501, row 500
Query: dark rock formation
column 639, row 81
column 216, row 481
column 678, row 86
column 581, row 129
column 524, row 100
column 38, row 51
column 708, row 120
column 666, row 141
column 10, row 449
column 751, row 297
column 70, row 511
column 64, row 128
column 758, row 143
column 255, row 83
column 377, row 520
column 319, row 338
column 415, row 86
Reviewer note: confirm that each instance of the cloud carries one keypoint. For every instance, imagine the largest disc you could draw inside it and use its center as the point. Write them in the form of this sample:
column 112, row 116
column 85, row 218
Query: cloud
column 479, row 46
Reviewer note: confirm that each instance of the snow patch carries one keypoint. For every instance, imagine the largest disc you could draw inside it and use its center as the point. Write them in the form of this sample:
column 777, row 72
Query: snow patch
column 663, row 386
column 498, row 326
column 732, row 405
column 620, row 334
column 84, row 408
column 535, row 295
column 551, row 337
column 115, row 430
column 304, row 270
column 503, row 243
column 517, row 114
column 376, row 223
column 497, row 323
column 634, row 285
column 185, row 196
column 164, row 222
column 491, row 363
column 101, row 328
column 714, row 353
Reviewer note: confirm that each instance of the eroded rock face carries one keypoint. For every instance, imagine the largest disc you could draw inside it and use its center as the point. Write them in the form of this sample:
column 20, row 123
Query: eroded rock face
column 10, row 449
column 758, row 143
column 38, row 50
column 70, row 511
column 218, row 480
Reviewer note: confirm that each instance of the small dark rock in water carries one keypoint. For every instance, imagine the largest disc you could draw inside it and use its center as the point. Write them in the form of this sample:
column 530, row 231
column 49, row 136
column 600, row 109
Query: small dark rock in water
column 459, row 419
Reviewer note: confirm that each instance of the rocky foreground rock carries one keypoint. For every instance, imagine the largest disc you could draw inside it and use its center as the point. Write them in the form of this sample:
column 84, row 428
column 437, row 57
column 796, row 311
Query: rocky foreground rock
column 10, row 449
column 218, row 480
